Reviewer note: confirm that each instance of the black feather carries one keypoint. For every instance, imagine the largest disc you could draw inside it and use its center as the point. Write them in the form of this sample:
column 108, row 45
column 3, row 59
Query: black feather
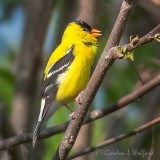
column 84, row 25
column 67, row 59
column 36, row 133
column 50, row 87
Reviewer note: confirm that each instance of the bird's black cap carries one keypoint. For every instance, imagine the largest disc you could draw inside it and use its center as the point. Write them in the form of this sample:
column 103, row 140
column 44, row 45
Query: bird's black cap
column 84, row 25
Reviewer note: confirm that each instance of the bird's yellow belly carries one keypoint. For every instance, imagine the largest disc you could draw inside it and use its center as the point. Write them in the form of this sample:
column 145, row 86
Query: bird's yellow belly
column 73, row 81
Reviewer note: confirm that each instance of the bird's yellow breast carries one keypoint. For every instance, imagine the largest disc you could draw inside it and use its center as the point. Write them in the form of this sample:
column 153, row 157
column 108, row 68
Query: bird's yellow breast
column 75, row 79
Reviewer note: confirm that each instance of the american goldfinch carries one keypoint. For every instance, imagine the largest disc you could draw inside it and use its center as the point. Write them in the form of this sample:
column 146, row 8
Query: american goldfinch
column 68, row 69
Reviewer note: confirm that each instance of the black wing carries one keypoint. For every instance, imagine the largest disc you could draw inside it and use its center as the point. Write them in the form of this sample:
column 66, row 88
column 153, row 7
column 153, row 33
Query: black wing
column 49, row 90
column 50, row 85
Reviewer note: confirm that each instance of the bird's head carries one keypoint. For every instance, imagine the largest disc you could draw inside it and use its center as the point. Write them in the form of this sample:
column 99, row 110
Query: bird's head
column 81, row 31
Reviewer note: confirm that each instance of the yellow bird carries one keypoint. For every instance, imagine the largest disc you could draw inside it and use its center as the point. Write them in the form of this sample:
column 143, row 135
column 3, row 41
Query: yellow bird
column 68, row 69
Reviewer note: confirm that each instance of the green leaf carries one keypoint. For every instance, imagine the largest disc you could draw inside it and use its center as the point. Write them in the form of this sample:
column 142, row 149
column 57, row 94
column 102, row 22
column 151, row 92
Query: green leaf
column 129, row 55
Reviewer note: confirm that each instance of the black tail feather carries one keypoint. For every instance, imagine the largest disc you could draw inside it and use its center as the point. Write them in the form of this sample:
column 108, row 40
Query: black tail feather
column 36, row 133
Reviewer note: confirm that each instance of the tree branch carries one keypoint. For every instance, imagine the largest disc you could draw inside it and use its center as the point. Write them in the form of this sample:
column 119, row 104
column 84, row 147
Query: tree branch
column 122, row 102
column 117, row 138
column 149, row 37
column 94, row 83
column 94, row 115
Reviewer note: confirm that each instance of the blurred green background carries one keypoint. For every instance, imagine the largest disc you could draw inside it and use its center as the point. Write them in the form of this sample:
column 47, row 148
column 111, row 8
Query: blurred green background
column 31, row 30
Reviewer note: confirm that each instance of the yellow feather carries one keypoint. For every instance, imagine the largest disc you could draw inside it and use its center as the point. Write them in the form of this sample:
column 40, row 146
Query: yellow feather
column 76, row 77
column 73, row 79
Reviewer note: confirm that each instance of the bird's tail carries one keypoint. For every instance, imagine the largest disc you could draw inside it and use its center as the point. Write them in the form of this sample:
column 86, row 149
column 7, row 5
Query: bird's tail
column 45, row 113
column 36, row 133
column 39, row 123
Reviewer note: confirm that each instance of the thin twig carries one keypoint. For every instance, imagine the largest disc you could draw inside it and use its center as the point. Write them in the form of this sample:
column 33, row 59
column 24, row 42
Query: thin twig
column 124, row 101
column 94, row 115
column 117, row 138
column 149, row 37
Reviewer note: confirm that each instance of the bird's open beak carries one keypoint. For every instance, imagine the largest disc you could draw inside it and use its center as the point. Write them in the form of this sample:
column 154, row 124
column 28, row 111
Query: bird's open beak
column 96, row 33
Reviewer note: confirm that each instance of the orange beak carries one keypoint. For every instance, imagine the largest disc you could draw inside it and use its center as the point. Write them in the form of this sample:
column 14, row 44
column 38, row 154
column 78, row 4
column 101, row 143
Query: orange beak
column 96, row 33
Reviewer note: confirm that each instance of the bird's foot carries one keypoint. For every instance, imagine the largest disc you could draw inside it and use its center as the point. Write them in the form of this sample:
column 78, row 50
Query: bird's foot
column 78, row 98
column 71, row 111
column 72, row 115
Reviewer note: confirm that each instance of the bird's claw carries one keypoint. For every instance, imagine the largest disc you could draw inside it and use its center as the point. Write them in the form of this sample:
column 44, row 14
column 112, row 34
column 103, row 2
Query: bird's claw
column 72, row 115
column 78, row 98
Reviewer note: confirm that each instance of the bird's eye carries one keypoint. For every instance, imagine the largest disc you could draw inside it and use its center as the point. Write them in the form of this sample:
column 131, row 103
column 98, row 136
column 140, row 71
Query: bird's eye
column 85, row 29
